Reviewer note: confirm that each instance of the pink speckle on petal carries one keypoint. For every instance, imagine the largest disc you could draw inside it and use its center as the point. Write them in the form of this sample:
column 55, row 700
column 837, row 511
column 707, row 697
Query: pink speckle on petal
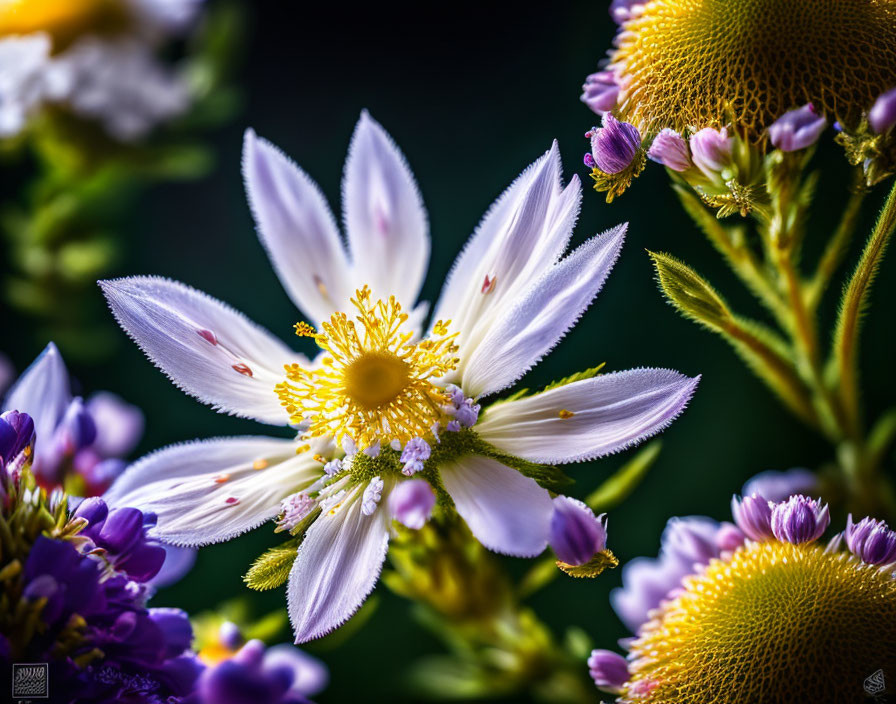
column 208, row 335
column 242, row 369
column 489, row 284
column 231, row 500
column 382, row 222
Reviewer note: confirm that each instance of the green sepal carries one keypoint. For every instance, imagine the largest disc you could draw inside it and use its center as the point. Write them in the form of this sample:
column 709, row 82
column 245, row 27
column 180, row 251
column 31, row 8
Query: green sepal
column 689, row 292
column 271, row 569
column 597, row 564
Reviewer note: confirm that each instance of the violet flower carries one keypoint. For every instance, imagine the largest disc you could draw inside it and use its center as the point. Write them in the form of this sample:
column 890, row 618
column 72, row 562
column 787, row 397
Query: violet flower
column 871, row 541
column 577, row 535
column 614, row 145
column 799, row 520
column 670, row 149
column 882, row 115
column 600, row 92
column 797, row 129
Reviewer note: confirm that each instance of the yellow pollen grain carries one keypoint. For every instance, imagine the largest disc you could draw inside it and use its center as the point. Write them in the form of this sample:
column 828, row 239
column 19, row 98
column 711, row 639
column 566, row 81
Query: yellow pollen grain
column 564, row 414
column 260, row 464
column 374, row 383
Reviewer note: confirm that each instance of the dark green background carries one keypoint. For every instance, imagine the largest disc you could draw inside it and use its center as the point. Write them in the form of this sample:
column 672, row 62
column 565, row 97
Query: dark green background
column 472, row 93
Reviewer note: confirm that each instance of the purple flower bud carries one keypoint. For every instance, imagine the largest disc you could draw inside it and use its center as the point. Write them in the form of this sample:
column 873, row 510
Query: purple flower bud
column 76, row 430
column 609, row 670
column 882, row 115
column 753, row 515
column 799, row 520
column 16, row 433
column 600, row 92
column 576, row 533
column 776, row 486
column 415, row 449
column 797, row 129
column 467, row 413
column 230, row 635
column 95, row 511
column 122, row 528
column 614, row 145
column 175, row 626
column 670, row 149
column 411, row 503
column 871, row 541
column 712, row 150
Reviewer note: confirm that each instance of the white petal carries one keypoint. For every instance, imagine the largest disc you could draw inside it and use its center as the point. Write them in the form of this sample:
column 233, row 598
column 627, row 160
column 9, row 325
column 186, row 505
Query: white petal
column 43, row 391
column 191, row 487
column 610, row 413
column 506, row 511
column 384, row 217
column 541, row 316
column 524, row 232
column 235, row 372
column 338, row 564
column 297, row 229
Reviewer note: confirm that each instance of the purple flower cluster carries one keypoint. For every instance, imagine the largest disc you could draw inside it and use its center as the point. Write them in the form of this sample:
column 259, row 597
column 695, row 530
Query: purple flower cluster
column 119, row 536
column 122, row 651
column 77, row 437
column 16, row 443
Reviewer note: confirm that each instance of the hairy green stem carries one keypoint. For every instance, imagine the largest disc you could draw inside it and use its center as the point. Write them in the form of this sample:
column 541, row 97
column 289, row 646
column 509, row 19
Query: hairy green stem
column 855, row 297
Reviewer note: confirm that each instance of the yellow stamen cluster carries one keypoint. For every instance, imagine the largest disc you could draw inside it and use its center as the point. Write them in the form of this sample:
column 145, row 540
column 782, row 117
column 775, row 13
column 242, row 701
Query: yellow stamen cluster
column 692, row 63
column 374, row 383
column 775, row 623
column 63, row 20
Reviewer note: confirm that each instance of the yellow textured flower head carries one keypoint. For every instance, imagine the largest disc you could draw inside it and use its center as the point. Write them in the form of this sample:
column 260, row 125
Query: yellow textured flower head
column 776, row 623
column 684, row 64
column 374, row 384
column 758, row 613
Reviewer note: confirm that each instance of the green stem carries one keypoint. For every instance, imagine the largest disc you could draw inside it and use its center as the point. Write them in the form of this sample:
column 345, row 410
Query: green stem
column 836, row 248
column 846, row 337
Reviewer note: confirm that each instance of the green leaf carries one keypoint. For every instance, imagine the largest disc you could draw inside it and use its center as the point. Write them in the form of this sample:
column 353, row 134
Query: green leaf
column 271, row 569
column 615, row 489
column 689, row 292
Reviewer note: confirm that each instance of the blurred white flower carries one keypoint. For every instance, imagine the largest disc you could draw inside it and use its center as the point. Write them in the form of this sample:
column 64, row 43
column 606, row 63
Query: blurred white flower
column 58, row 55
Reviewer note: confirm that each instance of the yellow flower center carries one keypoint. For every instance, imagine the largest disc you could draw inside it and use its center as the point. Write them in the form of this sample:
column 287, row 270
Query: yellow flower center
column 63, row 20
column 374, row 383
column 775, row 623
column 696, row 63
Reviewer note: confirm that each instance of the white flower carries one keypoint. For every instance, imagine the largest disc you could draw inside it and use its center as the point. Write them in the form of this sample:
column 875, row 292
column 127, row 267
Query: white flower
column 113, row 78
column 511, row 296
column 23, row 64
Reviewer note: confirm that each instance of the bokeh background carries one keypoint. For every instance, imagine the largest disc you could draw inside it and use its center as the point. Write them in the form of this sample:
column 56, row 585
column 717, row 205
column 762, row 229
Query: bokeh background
column 472, row 93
